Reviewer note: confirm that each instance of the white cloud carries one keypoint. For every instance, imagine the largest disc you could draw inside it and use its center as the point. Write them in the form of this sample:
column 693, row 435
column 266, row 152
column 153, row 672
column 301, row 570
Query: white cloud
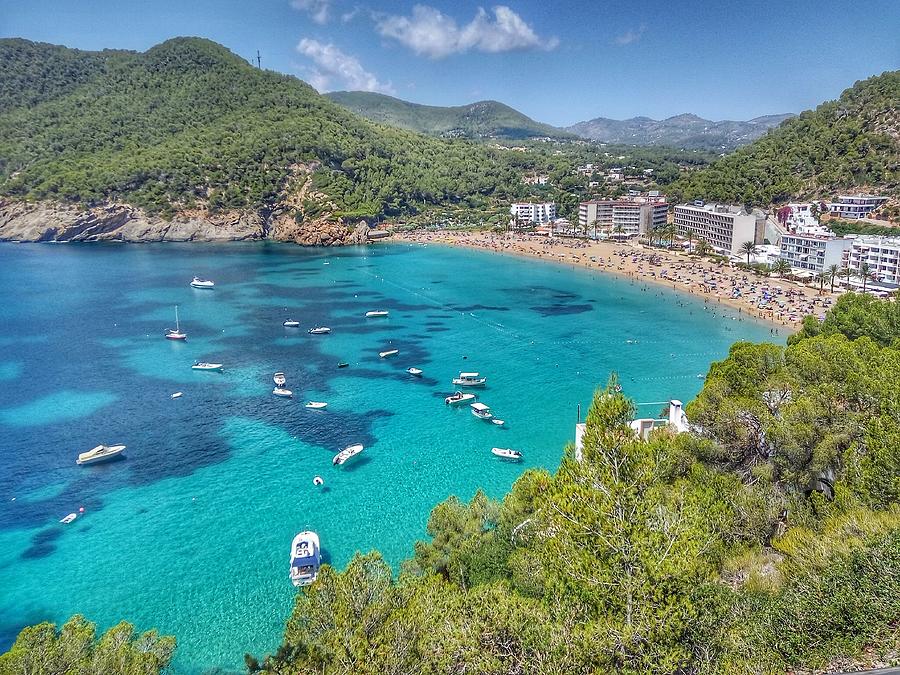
column 434, row 34
column 318, row 10
column 332, row 66
column 630, row 36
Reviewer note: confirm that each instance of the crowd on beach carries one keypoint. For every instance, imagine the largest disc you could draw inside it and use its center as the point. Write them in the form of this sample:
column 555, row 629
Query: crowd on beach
column 778, row 300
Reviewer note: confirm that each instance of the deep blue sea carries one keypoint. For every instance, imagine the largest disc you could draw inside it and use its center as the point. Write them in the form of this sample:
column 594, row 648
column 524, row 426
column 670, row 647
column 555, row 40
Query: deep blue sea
column 190, row 532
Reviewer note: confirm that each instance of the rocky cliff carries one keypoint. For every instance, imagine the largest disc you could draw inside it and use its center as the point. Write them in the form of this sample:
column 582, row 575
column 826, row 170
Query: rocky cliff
column 20, row 221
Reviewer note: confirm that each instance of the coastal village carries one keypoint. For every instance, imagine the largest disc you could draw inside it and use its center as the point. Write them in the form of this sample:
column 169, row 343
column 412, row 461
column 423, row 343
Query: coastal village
column 779, row 266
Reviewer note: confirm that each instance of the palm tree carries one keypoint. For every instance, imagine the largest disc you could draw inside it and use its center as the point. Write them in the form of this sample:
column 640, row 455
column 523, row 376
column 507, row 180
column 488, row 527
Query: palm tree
column 822, row 277
column 781, row 267
column 619, row 229
column 749, row 248
column 833, row 271
column 846, row 272
column 866, row 273
column 702, row 248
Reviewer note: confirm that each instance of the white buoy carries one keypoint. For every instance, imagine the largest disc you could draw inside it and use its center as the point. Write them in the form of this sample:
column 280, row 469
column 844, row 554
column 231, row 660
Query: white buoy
column 318, row 481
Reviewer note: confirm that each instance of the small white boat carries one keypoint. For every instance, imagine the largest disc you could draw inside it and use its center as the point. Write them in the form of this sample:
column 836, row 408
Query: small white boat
column 177, row 394
column 497, row 422
column 283, row 393
column 458, row 398
column 101, row 453
column 69, row 518
column 415, row 372
column 469, row 380
column 481, row 411
column 305, row 558
column 197, row 282
column 175, row 333
column 204, row 365
column 291, row 323
column 319, row 330
column 347, row 453
column 279, row 379
column 376, row 313
column 507, row 453
column 316, row 405
column 389, row 352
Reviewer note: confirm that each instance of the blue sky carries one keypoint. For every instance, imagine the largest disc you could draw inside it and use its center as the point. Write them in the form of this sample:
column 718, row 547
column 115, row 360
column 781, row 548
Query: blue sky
column 559, row 62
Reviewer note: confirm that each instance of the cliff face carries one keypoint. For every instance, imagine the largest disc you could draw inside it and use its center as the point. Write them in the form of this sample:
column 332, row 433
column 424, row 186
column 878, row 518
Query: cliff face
column 43, row 221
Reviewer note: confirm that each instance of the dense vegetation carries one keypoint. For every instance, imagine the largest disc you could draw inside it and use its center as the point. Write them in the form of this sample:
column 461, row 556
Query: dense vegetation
column 766, row 540
column 483, row 119
column 188, row 123
column 851, row 142
column 74, row 650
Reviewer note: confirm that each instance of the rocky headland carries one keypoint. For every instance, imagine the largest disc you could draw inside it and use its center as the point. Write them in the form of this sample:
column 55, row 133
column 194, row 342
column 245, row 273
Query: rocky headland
column 51, row 222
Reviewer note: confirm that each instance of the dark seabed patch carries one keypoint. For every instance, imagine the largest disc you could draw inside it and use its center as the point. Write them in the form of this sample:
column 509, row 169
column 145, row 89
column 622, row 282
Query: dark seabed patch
column 43, row 542
column 559, row 310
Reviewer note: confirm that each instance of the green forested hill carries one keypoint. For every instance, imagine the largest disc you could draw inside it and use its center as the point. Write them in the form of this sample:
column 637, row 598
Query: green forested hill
column 483, row 119
column 851, row 142
column 187, row 123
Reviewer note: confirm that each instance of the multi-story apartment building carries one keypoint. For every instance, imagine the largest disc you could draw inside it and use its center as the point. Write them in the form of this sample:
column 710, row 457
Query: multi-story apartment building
column 855, row 206
column 814, row 252
column 722, row 226
column 629, row 216
column 539, row 213
column 882, row 254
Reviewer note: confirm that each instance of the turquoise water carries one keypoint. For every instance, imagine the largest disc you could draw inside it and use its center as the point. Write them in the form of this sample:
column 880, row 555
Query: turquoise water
column 190, row 532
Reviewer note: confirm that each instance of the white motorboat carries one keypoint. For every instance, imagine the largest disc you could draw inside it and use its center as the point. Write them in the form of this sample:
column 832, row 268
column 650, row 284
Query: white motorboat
column 316, row 405
column 507, row 453
column 283, row 393
column 389, row 352
column 175, row 333
column 177, row 394
column 101, row 453
column 206, row 284
column 481, row 411
column 469, row 380
column 459, row 398
column 415, row 372
column 497, row 422
column 204, row 365
column 376, row 313
column 306, row 558
column 319, row 330
column 291, row 323
column 279, row 379
column 347, row 453
column 69, row 518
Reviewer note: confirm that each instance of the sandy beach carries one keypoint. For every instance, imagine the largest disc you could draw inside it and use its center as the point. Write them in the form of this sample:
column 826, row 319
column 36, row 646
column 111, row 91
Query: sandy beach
column 779, row 301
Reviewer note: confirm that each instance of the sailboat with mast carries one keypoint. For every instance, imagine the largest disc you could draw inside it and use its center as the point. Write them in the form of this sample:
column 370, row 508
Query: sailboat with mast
column 175, row 333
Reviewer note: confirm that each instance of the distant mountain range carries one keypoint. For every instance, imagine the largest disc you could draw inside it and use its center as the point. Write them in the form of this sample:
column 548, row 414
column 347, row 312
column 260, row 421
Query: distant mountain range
column 483, row 119
column 681, row 131
column 491, row 119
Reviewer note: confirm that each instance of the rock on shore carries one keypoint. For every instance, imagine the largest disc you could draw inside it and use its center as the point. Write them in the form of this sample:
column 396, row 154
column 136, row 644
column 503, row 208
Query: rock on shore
column 44, row 221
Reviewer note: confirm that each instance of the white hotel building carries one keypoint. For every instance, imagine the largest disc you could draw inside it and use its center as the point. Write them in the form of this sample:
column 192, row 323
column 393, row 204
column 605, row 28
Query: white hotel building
column 814, row 252
column 722, row 226
column 855, row 206
column 881, row 253
column 539, row 214
column 629, row 215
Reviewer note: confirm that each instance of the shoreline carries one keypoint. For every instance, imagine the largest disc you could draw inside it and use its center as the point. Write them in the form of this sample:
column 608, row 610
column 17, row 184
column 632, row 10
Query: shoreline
column 788, row 301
